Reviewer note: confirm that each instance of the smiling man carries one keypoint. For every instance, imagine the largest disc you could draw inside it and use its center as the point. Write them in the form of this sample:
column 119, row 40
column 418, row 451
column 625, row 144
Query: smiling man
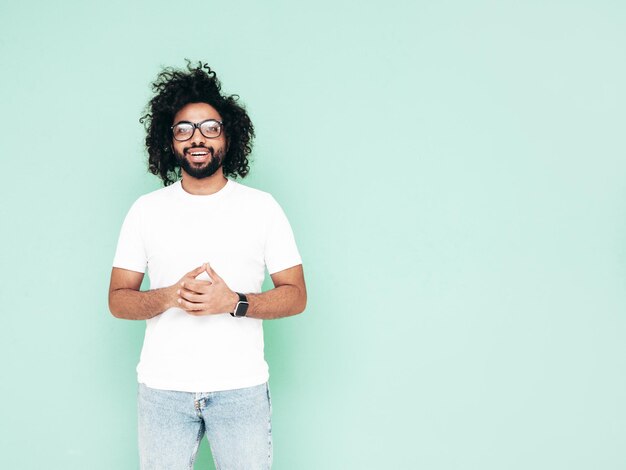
column 205, row 242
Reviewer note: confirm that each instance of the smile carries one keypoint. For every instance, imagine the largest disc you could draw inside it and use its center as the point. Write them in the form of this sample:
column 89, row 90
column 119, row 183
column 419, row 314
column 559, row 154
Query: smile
column 198, row 154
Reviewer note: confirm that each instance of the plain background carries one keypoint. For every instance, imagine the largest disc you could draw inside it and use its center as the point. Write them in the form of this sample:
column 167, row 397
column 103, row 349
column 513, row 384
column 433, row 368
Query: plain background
column 455, row 176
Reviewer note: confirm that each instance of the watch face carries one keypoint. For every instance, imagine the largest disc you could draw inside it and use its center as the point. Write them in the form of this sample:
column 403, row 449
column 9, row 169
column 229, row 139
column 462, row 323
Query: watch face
column 241, row 309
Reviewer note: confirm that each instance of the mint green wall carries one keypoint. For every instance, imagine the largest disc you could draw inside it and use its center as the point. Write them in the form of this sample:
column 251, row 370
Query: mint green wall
column 455, row 176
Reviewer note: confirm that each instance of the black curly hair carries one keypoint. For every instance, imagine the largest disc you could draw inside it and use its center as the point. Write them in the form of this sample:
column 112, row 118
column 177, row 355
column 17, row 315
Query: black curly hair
column 177, row 88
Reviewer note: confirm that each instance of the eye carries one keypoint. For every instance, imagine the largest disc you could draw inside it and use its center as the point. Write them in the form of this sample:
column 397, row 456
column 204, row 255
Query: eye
column 211, row 128
column 182, row 129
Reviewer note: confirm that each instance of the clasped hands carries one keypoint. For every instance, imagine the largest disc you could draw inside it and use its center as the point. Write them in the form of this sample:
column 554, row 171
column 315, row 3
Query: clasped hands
column 201, row 297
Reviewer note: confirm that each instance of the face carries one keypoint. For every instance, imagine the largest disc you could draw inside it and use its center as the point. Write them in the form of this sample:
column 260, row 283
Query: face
column 200, row 156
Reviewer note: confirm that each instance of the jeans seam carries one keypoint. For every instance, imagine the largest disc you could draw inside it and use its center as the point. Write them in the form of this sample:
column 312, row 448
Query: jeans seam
column 195, row 450
column 269, row 426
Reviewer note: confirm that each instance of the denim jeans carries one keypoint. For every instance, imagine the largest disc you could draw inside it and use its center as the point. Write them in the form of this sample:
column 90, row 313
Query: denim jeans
column 237, row 424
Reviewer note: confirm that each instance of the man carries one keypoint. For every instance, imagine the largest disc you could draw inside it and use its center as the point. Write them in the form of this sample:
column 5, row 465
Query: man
column 206, row 241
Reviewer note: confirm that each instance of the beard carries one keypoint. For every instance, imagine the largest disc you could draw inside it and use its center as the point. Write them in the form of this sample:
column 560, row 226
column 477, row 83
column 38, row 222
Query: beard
column 202, row 170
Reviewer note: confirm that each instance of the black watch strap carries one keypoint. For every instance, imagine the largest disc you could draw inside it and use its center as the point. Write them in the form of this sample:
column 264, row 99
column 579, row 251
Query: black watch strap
column 242, row 306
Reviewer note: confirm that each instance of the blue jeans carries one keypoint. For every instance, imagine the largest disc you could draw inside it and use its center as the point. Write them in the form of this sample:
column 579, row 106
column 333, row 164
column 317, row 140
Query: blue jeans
column 237, row 424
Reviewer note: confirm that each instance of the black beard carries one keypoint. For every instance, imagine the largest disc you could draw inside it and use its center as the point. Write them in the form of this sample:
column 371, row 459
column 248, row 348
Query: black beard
column 200, row 172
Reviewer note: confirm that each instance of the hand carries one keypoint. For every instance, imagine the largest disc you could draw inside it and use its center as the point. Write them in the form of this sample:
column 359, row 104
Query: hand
column 199, row 297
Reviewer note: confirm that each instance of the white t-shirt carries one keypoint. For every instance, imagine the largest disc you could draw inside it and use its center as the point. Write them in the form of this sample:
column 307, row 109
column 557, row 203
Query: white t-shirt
column 240, row 231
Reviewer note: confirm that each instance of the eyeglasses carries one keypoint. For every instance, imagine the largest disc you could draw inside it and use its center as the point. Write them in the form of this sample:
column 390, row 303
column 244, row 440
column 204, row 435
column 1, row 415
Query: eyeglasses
column 183, row 130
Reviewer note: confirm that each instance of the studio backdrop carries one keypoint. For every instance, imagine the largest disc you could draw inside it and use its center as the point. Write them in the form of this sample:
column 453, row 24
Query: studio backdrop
column 455, row 176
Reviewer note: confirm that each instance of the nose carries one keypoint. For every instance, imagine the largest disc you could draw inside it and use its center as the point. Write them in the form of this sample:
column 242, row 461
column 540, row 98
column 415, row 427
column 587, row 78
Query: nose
column 197, row 137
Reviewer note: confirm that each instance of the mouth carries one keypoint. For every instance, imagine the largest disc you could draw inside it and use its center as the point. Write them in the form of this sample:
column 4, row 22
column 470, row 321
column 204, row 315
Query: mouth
column 198, row 154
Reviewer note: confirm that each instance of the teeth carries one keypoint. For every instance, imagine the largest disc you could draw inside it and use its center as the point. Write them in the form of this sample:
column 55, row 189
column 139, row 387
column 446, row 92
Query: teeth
column 197, row 154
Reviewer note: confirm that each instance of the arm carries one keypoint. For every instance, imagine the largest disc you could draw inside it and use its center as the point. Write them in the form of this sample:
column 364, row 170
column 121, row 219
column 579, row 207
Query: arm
column 127, row 301
column 288, row 297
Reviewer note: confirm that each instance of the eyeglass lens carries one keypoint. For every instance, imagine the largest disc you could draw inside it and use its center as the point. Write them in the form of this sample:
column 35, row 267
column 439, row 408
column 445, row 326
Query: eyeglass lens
column 210, row 129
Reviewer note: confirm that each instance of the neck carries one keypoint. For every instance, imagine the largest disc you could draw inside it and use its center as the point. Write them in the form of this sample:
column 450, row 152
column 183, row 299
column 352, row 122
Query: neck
column 204, row 186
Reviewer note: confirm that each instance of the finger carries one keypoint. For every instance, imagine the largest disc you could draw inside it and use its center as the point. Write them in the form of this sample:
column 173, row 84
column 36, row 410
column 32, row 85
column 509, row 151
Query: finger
column 196, row 272
column 190, row 306
column 194, row 285
column 211, row 272
column 190, row 295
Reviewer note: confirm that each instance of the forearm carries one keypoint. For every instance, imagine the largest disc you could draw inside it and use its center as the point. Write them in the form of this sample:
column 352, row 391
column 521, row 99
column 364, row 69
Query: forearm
column 282, row 301
column 132, row 304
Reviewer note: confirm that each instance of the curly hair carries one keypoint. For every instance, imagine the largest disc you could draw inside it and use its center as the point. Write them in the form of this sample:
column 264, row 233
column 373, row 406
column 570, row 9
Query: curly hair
column 177, row 88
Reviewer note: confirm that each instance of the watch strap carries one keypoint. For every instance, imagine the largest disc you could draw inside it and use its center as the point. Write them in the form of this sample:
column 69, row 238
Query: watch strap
column 242, row 306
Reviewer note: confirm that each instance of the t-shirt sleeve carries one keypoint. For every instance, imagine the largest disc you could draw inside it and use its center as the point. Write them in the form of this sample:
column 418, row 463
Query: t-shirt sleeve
column 281, row 251
column 131, row 252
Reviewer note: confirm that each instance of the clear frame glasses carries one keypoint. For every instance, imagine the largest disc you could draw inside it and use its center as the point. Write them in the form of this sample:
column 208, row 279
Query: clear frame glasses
column 183, row 130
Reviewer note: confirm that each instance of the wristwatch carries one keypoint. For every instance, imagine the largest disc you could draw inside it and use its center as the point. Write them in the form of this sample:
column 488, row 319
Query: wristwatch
column 242, row 306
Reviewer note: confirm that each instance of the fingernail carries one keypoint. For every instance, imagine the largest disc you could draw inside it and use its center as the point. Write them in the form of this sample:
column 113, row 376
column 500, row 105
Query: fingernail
column 178, row 291
column 182, row 284
column 180, row 301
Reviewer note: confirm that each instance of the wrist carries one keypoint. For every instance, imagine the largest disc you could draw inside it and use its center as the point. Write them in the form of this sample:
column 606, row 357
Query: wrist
column 232, row 301
column 171, row 296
